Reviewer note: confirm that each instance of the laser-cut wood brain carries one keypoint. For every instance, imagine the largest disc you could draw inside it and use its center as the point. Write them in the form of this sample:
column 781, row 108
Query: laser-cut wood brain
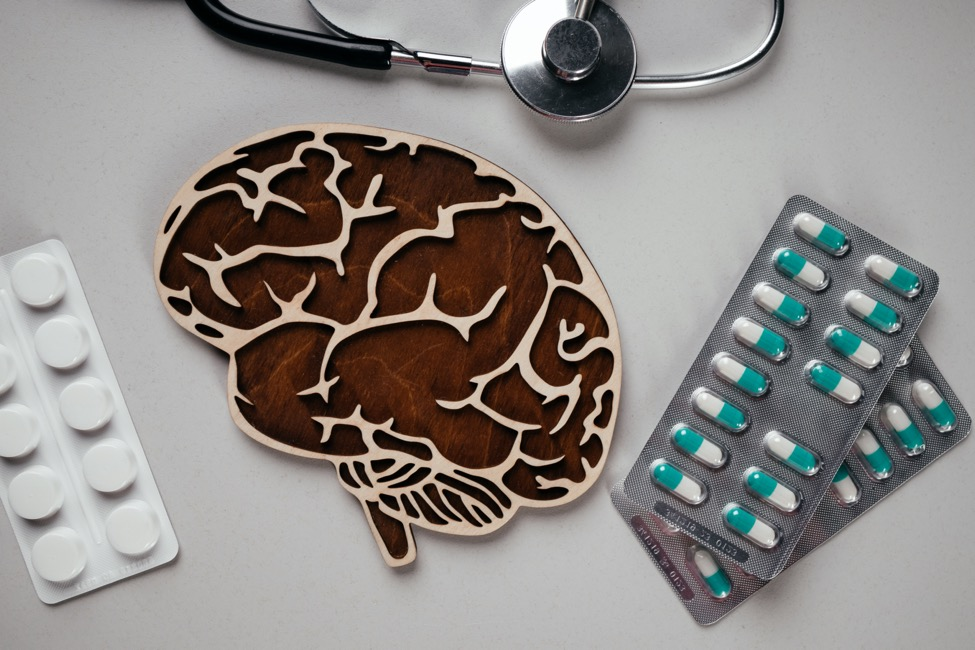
column 405, row 310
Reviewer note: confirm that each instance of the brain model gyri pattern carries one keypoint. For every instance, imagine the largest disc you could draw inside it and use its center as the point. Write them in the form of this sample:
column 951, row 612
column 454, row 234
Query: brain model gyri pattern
column 404, row 310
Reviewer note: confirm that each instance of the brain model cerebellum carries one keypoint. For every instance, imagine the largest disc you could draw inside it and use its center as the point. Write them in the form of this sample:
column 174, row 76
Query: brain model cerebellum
column 405, row 310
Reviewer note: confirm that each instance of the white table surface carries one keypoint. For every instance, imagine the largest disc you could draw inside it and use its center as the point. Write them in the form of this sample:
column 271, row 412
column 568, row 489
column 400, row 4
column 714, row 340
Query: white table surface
column 109, row 105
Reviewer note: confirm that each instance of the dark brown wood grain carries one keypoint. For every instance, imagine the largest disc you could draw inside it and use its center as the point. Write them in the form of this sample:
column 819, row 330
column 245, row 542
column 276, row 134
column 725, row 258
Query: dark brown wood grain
column 539, row 430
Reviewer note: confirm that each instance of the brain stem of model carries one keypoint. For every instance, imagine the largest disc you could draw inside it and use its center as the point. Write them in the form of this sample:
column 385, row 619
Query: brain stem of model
column 405, row 310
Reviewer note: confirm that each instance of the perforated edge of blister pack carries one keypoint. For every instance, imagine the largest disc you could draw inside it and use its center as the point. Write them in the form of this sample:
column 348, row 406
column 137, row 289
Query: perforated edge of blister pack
column 789, row 403
column 107, row 532
column 671, row 549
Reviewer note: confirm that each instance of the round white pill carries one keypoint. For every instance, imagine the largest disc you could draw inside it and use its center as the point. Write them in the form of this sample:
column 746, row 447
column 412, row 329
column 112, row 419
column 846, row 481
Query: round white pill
column 133, row 528
column 109, row 466
column 62, row 342
column 8, row 369
column 59, row 555
column 87, row 404
column 19, row 431
column 38, row 280
column 36, row 493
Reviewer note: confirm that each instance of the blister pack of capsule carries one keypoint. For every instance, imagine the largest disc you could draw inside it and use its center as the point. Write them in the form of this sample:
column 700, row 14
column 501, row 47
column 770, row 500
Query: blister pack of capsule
column 771, row 406
column 917, row 420
column 74, row 479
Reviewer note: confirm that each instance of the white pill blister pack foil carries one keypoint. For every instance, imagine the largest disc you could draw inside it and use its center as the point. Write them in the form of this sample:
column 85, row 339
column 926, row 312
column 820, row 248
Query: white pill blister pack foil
column 74, row 479
column 771, row 406
column 883, row 458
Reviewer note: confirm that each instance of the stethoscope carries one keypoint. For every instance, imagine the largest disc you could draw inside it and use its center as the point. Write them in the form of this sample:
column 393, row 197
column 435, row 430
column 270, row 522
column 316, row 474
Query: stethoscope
column 571, row 60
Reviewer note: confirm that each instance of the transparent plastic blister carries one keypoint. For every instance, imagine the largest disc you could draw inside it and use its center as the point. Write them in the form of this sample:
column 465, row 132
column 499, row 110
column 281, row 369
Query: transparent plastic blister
column 776, row 390
column 710, row 586
column 74, row 479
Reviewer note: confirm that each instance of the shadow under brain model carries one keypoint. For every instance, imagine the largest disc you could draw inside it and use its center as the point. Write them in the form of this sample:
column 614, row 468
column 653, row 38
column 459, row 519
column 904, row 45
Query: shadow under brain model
column 405, row 310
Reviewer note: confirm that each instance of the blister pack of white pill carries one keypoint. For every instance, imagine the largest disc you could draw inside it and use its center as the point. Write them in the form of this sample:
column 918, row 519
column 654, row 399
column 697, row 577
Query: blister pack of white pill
column 917, row 420
column 74, row 479
column 772, row 404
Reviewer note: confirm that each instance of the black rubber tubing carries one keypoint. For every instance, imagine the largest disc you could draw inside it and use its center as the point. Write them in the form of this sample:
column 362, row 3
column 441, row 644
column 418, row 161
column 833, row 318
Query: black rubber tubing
column 369, row 53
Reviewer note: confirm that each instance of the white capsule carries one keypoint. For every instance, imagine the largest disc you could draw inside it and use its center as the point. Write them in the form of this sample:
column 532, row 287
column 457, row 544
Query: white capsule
column 760, row 339
column 695, row 445
column 820, row 234
column 866, row 442
column 893, row 276
column 844, row 487
column 899, row 424
column 719, row 410
column 782, row 306
column 677, row 482
column 799, row 269
column 791, row 454
column 875, row 458
column 872, row 312
column 710, row 572
column 768, row 488
column 751, row 527
column 853, row 347
column 935, row 409
column 832, row 382
column 739, row 375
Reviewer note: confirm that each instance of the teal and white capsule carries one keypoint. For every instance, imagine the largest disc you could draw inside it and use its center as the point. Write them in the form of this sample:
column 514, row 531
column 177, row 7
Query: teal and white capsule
column 875, row 459
column 854, row 348
column 893, row 276
column 697, row 446
column 872, row 312
column 789, row 452
column 741, row 376
column 710, row 572
column 783, row 306
column 756, row 530
column 719, row 410
column 769, row 489
column 681, row 485
column 761, row 339
column 934, row 407
column 906, row 357
column 800, row 270
column 845, row 487
column 896, row 420
column 831, row 381
column 820, row 234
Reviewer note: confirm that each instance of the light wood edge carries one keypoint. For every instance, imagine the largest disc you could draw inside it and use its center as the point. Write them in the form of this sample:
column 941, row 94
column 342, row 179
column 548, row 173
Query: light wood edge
column 596, row 292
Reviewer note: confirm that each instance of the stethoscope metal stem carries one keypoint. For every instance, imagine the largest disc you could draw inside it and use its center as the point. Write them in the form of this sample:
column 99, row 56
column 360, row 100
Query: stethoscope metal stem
column 444, row 63
column 584, row 8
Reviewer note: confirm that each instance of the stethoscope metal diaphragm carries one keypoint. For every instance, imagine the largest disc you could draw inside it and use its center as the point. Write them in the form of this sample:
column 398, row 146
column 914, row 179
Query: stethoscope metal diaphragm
column 565, row 67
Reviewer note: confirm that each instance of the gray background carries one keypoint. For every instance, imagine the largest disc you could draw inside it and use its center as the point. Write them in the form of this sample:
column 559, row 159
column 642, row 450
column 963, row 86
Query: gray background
column 109, row 105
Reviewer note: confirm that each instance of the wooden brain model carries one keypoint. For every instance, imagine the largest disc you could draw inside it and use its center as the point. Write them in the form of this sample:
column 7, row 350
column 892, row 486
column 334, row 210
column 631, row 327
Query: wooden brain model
column 405, row 310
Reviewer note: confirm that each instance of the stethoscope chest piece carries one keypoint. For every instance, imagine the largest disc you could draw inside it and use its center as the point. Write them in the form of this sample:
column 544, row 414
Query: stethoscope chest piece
column 566, row 65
